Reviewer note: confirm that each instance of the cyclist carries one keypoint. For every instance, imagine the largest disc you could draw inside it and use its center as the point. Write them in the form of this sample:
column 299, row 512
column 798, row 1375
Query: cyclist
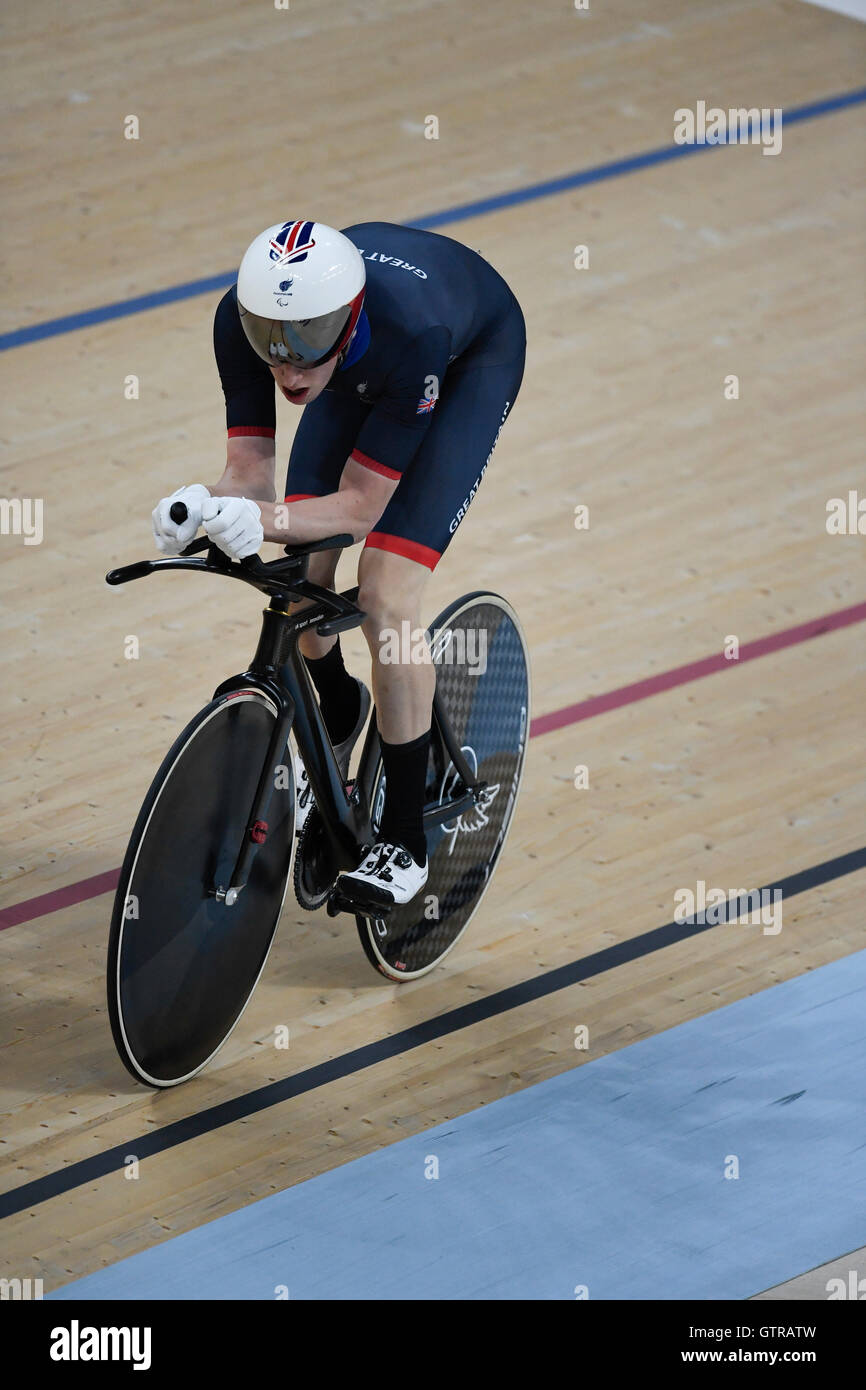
column 406, row 351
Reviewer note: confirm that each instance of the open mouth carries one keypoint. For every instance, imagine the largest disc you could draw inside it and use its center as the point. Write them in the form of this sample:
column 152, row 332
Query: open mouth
column 298, row 396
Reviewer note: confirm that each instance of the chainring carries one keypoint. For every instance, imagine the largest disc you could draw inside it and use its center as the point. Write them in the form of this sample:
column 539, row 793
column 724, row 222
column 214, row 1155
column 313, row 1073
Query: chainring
column 314, row 867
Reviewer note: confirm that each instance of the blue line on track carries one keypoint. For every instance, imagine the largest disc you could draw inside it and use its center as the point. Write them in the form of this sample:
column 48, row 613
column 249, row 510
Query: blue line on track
column 123, row 308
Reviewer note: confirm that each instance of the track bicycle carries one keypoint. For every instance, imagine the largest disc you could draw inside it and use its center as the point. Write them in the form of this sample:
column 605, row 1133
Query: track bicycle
column 210, row 857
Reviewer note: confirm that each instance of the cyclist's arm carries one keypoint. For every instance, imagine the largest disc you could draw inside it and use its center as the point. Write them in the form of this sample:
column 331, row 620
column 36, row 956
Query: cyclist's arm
column 355, row 508
column 251, row 419
column 250, row 469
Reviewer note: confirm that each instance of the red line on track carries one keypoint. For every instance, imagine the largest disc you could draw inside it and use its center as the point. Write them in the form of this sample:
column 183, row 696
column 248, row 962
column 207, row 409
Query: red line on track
column 544, row 724
column 708, row 666
column 61, row 897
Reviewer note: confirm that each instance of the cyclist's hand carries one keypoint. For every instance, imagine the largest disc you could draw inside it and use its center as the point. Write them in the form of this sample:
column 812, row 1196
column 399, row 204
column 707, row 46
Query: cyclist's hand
column 234, row 524
column 170, row 537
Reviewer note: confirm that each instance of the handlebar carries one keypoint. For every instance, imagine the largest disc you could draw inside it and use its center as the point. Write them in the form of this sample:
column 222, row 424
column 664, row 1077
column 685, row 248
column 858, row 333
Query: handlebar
column 278, row 578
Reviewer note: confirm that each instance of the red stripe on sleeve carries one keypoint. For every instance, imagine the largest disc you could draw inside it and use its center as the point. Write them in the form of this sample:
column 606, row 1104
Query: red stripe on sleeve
column 242, row 431
column 366, row 462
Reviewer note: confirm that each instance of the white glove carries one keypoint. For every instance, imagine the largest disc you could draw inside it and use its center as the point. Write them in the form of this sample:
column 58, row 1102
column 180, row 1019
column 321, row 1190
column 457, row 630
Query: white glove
column 170, row 537
column 234, row 524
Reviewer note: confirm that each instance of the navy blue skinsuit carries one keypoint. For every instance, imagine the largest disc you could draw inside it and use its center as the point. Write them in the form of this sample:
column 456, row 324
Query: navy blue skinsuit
column 430, row 376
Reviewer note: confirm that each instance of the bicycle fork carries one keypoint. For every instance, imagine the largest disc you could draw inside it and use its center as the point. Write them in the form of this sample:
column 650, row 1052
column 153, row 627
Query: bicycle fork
column 256, row 831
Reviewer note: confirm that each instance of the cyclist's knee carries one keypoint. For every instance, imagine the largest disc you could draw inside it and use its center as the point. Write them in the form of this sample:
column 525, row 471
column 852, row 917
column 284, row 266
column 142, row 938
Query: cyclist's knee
column 378, row 621
column 390, row 586
column 385, row 608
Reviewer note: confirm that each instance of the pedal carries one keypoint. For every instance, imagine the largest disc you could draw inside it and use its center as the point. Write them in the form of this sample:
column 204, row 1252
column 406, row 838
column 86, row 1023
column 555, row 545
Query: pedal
column 339, row 902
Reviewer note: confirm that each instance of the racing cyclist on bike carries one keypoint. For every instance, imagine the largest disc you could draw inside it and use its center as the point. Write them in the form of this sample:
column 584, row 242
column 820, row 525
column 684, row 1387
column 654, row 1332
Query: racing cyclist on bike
column 406, row 351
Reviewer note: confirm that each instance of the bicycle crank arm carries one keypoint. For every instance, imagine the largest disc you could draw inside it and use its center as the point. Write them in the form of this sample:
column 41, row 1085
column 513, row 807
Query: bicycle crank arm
column 450, row 810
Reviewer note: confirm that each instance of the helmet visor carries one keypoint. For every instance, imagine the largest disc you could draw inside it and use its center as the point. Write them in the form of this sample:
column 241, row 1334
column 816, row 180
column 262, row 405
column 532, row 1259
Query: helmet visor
column 300, row 343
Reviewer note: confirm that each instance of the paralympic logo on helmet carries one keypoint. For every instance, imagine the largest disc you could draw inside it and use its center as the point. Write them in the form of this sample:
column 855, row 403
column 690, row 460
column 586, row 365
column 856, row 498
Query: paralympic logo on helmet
column 292, row 243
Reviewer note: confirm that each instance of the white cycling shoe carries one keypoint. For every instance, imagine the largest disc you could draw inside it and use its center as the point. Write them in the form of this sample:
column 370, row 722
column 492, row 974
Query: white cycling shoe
column 304, row 799
column 386, row 876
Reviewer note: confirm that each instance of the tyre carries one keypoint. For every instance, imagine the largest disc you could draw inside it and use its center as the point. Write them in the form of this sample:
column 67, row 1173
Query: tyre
column 182, row 965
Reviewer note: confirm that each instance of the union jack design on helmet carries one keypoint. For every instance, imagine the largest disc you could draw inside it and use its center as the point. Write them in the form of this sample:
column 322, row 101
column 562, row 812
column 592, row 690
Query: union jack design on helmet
column 292, row 243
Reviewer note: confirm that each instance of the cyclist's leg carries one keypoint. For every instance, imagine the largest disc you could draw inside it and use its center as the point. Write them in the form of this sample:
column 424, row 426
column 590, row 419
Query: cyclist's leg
column 407, row 544
column 391, row 594
column 323, row 441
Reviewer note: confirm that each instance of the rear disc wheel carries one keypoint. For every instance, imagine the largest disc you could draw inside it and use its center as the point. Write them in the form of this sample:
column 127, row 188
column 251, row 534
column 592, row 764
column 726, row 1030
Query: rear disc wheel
column 482, row 679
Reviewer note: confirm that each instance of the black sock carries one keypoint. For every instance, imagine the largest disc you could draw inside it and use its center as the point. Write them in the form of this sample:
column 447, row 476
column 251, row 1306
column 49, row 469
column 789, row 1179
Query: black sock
column 405, row 781
column 339, row 693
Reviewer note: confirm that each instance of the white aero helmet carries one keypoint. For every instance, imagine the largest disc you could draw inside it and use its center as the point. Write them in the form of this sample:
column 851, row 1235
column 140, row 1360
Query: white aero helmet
column 300, row 293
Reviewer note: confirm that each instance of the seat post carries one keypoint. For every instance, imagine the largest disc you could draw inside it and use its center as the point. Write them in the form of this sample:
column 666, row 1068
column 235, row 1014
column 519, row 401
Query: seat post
column 275, row 637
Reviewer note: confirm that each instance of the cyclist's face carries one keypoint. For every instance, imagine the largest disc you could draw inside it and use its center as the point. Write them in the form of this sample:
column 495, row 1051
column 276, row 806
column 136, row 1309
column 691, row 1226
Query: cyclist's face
column 301, row 387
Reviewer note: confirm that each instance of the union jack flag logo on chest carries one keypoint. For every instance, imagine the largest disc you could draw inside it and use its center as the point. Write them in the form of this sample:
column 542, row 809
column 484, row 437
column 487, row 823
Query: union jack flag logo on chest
column 292, row 242
column 425, row 405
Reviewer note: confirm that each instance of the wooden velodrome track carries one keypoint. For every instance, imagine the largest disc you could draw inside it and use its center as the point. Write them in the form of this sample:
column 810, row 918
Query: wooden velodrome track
column 707, row 520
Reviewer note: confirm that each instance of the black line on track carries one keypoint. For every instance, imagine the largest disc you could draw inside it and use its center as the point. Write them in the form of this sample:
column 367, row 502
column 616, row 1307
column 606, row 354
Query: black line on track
column 158, row 1141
